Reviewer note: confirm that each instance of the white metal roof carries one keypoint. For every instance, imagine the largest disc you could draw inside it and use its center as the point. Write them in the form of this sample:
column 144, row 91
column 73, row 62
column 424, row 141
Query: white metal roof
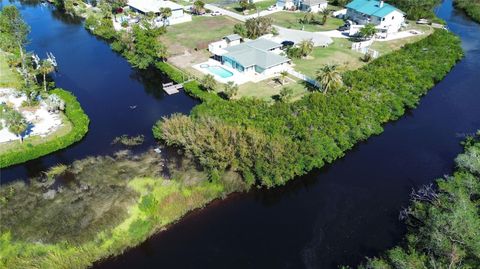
column 153, row 5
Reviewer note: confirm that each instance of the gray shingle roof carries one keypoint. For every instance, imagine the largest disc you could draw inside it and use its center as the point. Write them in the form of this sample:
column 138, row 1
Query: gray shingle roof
column 232, row 37
column 256, row 52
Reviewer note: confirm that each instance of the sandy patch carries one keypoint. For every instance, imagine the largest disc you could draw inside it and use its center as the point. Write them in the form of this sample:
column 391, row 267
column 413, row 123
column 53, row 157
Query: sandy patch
column 42, row 122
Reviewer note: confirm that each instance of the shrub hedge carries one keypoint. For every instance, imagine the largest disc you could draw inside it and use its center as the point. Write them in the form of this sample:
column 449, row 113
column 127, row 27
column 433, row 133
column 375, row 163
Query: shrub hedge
column 77, row 118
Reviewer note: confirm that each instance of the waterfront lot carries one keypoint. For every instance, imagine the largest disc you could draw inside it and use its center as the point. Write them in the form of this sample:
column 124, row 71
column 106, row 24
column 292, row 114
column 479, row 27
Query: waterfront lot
column 187, row 43
column 290, row 19
column 268, row 89
column 339, row 53
column 262, row 5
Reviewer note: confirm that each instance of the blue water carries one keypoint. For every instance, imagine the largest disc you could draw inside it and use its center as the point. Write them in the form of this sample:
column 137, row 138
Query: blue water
column 220, row 71
column 336, row 215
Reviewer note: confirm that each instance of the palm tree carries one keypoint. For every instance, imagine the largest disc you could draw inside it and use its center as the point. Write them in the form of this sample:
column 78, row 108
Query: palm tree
column 368, row 30
column 208, row 82
column 230, row 90
column 16, row 124
column 46, row 68
column 325, row 14
column 198, row 6
column 306, row 47
column 283, row 75
column 329, row 78
column 165, row 13
column 285, row 94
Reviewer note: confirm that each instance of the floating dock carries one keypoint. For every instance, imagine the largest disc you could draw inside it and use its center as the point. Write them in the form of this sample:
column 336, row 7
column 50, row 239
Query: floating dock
column 171, row 88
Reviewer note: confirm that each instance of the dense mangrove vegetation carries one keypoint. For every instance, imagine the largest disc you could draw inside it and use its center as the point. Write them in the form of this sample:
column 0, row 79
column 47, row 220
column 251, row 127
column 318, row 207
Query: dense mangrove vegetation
column 74, row 215
column 471, row 7
column 443, row 220
column 270, row 144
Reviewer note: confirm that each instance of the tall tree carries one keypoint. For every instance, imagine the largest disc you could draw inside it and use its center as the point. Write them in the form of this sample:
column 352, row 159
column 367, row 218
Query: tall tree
column 283, row 76
column 285, row 94
column 258, row 26
column 230, row 90
column 165, row 13
column 368, row 31
column 208, row 83
column 325, row 13
column 46, row 68
column 244, row 4
column 199, row 7
column 16, row 123
column 11, row 23
column 329, row 78
column 305, row 47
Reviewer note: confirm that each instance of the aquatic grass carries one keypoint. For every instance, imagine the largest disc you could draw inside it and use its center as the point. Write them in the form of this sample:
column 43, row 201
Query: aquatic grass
column 56, row 170
column 142, row 206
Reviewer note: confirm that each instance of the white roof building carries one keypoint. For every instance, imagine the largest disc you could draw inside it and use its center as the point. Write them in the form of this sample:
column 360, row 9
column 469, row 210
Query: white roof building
column 154, row 6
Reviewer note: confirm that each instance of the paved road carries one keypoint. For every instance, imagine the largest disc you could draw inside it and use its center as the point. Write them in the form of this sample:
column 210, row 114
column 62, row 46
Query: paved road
column 319, row 39
column 239, row 16
column 226, row 12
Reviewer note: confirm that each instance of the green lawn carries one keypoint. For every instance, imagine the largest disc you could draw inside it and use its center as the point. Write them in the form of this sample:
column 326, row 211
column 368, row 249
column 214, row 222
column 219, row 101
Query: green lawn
column 262, row 5
column 339, row 53
column 269, row 88
column 199, row 32
column 8, row 77
column 289, row 19
column 389, row 46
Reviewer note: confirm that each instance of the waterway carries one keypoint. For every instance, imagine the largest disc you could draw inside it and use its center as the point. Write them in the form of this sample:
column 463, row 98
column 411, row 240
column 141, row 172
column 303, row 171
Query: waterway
column 332, row 216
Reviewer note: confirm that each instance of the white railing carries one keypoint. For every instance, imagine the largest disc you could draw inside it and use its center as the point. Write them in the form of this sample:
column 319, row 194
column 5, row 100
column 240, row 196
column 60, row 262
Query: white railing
column 305, row 78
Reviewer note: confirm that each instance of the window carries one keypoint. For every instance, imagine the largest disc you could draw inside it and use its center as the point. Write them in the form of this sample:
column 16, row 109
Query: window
column 383, row 19
column 393, row 17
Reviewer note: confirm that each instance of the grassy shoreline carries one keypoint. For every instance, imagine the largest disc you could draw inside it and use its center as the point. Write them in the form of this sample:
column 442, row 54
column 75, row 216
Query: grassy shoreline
column 47, row 235
column 470, row 7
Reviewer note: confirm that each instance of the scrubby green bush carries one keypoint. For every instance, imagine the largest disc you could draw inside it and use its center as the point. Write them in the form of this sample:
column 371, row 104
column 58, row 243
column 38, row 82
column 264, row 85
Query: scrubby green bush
column 79, row 121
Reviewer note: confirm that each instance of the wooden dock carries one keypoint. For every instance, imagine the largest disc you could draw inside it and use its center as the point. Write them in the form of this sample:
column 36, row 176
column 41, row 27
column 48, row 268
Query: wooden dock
column 171, row 88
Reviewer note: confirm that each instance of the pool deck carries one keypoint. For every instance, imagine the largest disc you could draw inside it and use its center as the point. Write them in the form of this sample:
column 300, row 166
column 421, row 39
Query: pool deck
column 238, row 78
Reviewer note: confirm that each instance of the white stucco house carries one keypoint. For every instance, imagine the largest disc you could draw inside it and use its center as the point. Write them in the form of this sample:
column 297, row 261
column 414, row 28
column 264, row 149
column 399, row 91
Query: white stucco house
column 387, row 18
column 303, row 5
column 154, row 6
column 259, row 56
column 242, row 62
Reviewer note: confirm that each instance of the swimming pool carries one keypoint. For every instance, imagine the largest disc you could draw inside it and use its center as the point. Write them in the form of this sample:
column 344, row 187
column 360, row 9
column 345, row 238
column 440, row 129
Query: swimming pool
column 219, row 71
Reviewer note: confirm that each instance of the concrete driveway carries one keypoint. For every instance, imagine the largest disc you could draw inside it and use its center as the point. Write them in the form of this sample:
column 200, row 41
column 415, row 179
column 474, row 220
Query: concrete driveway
column 239, row 16
column 319, row 39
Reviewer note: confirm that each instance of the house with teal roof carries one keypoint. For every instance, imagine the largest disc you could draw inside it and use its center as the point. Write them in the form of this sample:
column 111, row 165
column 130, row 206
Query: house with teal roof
column 386, row 17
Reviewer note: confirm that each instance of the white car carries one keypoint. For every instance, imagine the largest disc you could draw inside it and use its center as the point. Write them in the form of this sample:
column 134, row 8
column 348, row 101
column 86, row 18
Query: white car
column 216, row 13
column 272, row 8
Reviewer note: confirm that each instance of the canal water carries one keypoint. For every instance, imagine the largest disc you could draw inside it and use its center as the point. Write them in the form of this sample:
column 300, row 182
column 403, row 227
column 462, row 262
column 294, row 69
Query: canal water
column 118, row 98
column 332, row 216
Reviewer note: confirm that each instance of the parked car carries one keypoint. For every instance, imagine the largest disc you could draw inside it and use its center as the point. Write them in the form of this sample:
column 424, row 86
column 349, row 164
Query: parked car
column 272, row 8
column 345, row 27
column 287, row 43
column 216, row 13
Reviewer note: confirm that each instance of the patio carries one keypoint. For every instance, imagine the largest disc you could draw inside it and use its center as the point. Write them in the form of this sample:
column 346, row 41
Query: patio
column 237, row 77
